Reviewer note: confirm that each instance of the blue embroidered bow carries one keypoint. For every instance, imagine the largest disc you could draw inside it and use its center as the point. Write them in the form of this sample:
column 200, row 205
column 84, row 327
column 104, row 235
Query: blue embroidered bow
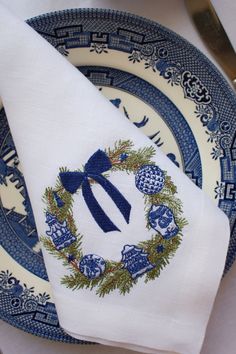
column 98, row 163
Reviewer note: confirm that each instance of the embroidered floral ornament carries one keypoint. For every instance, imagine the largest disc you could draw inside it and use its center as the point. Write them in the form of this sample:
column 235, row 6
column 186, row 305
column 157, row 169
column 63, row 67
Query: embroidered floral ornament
column 163, row 214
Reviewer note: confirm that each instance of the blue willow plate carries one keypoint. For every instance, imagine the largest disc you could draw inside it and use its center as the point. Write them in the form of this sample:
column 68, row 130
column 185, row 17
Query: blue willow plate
column 162, row 84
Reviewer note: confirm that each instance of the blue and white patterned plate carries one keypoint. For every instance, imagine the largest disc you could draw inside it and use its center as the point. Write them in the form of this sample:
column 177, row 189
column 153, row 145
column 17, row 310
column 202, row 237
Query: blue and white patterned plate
column 168, row 89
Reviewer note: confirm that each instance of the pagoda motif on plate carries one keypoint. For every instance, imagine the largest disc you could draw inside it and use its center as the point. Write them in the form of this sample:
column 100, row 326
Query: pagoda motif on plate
column 59, row 232
column 136, row 261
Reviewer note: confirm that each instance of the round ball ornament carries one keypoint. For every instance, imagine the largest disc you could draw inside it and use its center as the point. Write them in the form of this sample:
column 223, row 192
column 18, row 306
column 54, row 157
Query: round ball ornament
column 150, row 179
column 162, row 213
column 92, row 266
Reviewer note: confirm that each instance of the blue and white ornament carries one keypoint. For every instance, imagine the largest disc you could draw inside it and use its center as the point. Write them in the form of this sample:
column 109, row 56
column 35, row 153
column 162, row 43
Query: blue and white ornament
column 92, row 266
column 58, row 200
column 150, row 179
column 136, row 261
column 59, row 232
column 161, row 219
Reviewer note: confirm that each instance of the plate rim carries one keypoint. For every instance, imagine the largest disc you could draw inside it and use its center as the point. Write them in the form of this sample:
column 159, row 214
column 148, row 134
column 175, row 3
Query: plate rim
column 125, row 17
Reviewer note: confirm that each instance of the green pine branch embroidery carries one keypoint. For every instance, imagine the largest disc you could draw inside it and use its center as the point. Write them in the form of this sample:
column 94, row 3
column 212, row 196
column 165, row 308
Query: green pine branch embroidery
column 135, row 159
column 120, row 279
column 116, row 276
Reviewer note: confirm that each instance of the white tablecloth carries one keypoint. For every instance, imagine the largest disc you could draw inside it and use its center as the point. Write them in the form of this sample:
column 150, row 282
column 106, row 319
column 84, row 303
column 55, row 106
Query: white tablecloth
column 220, row 338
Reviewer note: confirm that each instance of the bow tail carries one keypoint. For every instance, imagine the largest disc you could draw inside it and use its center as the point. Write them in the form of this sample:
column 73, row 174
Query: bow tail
column 119, row 200
column 101, row 218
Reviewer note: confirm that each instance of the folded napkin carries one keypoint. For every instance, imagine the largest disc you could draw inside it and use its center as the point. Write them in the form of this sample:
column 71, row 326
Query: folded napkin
column 133, row 249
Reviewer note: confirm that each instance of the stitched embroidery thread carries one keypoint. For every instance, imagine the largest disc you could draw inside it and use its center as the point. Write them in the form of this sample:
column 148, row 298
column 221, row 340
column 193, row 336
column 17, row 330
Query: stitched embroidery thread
column 98, row 163
column 163, row 214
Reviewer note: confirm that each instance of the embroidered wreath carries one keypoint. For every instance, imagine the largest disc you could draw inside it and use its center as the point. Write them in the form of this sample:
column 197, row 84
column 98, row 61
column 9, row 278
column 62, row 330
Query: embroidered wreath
column 163, row 213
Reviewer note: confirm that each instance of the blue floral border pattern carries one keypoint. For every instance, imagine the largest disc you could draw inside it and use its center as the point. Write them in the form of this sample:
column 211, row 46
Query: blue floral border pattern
column 155, row 55
column 171, row 57
column 194, row 89
column 175, row 74
column 22, row 305
column 169, row 113
column 18, row 235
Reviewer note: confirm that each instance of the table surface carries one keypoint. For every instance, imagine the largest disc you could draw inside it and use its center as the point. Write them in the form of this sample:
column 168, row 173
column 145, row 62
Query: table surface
column 220, row 336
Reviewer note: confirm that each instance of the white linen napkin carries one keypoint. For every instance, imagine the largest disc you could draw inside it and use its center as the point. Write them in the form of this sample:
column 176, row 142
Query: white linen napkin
column 133, row 249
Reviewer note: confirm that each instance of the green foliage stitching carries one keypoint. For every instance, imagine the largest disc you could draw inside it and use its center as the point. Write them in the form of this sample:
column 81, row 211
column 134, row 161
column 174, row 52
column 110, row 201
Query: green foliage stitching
column 115, row 276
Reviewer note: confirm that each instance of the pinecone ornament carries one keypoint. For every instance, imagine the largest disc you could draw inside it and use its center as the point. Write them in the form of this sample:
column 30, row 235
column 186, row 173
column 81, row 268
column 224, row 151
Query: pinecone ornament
column 149, row 179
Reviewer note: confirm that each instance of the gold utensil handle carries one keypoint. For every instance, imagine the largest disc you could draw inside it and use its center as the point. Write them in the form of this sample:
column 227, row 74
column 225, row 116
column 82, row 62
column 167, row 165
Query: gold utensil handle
column 214, row 35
